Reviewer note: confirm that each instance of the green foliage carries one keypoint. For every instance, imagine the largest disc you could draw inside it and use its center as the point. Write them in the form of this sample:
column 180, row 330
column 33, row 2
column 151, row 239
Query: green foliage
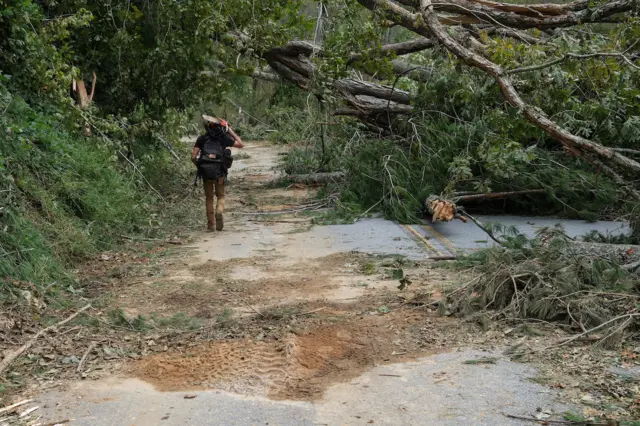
column 149, row 54
column 551, row 278
column 118, row 318
column 64, row 197
column 180, row 321
column 464, row 138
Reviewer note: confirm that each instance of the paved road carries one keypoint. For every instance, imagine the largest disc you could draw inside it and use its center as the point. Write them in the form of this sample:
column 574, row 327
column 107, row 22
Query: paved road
column 437, row 390
column 446, row 238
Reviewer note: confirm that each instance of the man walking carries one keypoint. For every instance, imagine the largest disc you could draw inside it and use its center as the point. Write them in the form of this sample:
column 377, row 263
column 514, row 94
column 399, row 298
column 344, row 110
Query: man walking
column 212, row 156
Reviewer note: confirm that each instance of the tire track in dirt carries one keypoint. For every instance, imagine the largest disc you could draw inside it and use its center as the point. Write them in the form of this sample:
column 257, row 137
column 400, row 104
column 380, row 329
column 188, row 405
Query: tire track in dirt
column 296, row 367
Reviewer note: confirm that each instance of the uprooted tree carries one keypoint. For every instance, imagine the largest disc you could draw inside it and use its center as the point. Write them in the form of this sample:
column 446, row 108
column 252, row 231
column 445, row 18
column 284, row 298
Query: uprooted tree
column 469, row 30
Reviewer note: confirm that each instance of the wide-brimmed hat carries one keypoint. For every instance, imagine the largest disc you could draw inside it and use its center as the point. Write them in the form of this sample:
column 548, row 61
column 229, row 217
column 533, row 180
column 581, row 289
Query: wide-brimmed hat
column 207, row 120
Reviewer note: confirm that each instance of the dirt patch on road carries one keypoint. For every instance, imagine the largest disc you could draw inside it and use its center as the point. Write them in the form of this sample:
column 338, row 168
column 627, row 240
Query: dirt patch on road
column 301, row 365
column 263, row 281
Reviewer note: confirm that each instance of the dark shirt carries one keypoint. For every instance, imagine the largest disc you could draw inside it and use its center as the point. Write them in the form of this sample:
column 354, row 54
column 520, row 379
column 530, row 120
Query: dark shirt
column 226, row 141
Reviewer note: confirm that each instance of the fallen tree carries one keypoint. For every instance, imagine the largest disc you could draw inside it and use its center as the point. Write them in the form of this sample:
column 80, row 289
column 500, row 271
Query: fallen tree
column 381, row 106
column 427, row 23
column 445, row 210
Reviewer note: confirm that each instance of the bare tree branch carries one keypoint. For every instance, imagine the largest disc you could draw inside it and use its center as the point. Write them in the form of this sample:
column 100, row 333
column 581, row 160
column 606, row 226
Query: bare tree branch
column 573, row 56
column 399, row 49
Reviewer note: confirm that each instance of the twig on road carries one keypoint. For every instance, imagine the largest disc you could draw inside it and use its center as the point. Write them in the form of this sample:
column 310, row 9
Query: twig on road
column 314, row 311
column 14, row 406
column 560, row 422
column 604, row 324
column 84, row 357
column 253, row 309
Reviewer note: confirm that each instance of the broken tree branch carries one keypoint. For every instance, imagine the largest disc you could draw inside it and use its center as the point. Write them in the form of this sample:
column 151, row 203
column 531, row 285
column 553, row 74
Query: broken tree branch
column 496, row 195
column 253, row 309
column 430, row 26
column 14, row 406
column 84, row 357
column 604, row 324
column 482, row 227
column 522, row 16
column 572, row 56
column 15, row 354
column 141, row 174
column 559, row 422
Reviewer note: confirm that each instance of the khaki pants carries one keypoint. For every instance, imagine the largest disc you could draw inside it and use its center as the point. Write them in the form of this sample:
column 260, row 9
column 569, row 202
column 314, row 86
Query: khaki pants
column 211, row 187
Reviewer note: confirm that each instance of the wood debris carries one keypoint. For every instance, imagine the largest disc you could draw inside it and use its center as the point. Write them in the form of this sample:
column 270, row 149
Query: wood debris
column 441, row 209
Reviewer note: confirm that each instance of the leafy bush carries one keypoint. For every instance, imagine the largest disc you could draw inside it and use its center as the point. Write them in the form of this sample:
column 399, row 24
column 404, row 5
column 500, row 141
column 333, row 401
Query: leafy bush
column 63, row 197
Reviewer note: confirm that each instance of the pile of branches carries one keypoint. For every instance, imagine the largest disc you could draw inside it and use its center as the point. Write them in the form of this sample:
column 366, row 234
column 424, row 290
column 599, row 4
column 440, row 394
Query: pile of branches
column 591, row 288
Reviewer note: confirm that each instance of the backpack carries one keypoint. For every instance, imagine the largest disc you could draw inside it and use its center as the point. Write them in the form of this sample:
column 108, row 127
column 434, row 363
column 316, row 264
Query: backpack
column 212, row 146
column 214, row 168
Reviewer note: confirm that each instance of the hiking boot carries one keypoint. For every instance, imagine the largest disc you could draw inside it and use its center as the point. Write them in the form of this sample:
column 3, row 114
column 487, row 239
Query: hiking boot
column 219, row 222
column 210, row 226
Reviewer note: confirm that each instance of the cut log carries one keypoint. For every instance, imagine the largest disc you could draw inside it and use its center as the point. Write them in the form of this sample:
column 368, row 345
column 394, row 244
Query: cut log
column 441, row 209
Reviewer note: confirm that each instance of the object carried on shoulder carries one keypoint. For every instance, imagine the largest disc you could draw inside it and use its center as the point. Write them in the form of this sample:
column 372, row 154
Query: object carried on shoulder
column 209, row 121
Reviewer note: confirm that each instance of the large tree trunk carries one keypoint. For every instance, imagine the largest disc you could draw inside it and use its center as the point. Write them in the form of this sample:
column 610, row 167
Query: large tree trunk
column 372, row 102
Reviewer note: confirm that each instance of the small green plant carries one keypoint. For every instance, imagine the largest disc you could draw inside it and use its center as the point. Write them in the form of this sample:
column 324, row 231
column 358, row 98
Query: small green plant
column 369, row 268
column 118, row 318
column 225, row 318
column 573, row 417
column 181, row 321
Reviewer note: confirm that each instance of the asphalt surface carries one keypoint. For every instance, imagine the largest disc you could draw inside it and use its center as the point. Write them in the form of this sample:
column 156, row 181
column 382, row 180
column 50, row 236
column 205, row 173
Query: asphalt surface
column 437, row 390
column 447, row 238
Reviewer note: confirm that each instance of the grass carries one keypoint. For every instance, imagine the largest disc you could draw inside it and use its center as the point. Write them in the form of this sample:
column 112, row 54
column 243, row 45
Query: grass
column 64, row 199
column 118, row 318
column 180, row 321
column 225, row 319
column 369, row 268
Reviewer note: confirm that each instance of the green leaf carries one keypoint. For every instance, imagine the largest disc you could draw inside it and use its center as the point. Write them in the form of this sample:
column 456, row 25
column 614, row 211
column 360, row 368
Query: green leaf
column 397, row 274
